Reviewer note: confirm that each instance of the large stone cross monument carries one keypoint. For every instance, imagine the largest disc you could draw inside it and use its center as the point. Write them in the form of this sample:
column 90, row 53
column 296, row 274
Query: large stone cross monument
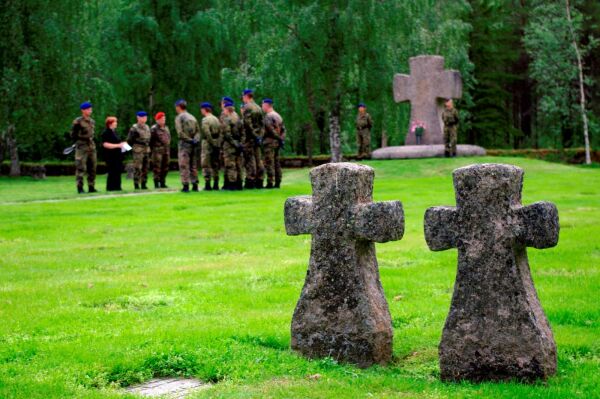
column 426, row 88
column 342, row 311
column 496, row 328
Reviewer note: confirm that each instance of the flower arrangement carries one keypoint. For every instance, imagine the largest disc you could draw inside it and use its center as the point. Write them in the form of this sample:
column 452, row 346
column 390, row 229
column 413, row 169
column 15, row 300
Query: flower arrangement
column 417, row 127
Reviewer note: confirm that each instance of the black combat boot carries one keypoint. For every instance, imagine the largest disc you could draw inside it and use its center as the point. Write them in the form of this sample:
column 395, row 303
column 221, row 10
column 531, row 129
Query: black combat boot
column 216, row 185
column 277, row 184
column 80, row 190
column 144, row 187
column 163, row 184
column 156, row 184
column 92, row 189
column 258, row 183
column 186, row 188
column 136, row 186
column 238, row 185
column 195, row 187
column 207, row 186
column 249, row 184
column 226, row 185
column 269, row 185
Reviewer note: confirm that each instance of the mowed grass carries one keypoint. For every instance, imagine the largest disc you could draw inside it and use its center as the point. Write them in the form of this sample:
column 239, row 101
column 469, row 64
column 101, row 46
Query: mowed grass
column 98, row 294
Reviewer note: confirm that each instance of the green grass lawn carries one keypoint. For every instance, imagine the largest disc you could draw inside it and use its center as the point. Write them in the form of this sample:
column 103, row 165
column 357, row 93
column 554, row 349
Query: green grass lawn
column 98, row 294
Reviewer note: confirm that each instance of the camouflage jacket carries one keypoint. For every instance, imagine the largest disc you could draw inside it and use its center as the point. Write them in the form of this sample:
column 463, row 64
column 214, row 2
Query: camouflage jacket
column 364, row 121
column 211, row 131
column 253, row 121
column 187, row 127
column 450, row 117
column 231, row 127
column 83, row 131
column 274, row 127
column 139, row 135
column 159, row 136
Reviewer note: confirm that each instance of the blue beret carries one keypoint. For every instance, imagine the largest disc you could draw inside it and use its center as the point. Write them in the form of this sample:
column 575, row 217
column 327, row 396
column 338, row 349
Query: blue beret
column 248, row 91
column 228, row 103
column 206, row 105
column 361, row 105
column 85, row 105
column 267, row 101
column 227, row 99
column 142, row 113
column 181, row 101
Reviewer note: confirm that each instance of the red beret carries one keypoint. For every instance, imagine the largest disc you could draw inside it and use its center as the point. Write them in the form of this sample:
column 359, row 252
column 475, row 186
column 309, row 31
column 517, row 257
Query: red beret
column 159, row 115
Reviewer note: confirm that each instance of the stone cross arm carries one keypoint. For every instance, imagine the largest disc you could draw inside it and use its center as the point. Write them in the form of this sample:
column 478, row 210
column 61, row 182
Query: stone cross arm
column 536, row 226
column 378, row 221
column 298, row 215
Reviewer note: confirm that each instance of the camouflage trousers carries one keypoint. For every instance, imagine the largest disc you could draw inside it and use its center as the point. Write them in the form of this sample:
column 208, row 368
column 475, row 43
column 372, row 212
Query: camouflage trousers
column 272, row 164
column 188, row 156
column 363, row 140
column 450, row 141
column 141, row 161
column 232, row 162
column 210, row 162
column 253, row 164
column 85, row 163
column 160, row 162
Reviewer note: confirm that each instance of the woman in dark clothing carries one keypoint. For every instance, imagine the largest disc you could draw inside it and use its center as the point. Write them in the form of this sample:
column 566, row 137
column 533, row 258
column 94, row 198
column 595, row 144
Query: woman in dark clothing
column 113, row 156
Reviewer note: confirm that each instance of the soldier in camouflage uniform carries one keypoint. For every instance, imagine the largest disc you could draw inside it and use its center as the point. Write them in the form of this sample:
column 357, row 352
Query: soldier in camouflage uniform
column 160, row 145
column 82, row 132
column 273, row 143
column 139, row 139
column 450, row 119
column 231, row 127
column 188, row 155
column 364, row 123
column 211, row 147
column 253, row 129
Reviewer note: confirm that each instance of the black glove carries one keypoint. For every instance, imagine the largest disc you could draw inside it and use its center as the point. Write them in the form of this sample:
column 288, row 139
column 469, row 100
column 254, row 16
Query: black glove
column 239, row 149
column 195, row 141
column 258, row 140
column 281, row 143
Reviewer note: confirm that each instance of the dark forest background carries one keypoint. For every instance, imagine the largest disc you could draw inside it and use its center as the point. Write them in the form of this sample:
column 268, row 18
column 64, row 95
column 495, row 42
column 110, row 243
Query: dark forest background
column 316, row 58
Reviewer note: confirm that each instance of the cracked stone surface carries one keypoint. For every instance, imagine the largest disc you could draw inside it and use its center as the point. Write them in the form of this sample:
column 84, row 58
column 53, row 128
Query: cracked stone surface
column 171, row 388
column 496, row 328
column 342, row 311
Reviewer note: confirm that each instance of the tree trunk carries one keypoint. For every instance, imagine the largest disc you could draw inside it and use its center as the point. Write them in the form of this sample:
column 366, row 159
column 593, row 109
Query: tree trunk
column 308, row 129
column 384, row 139
column 2, row 146
column 11, row 142
column 588, row 159
column 334, row 137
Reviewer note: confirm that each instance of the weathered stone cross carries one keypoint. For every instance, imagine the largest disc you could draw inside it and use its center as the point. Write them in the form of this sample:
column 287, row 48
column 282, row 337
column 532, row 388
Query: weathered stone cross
column 496, row 328
column 427, row 84
column 342, row 311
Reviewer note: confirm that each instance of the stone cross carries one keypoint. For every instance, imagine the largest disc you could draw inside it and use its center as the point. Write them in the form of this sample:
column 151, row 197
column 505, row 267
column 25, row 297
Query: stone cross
column 496, row 328
column 342, row 311
column 427, row 88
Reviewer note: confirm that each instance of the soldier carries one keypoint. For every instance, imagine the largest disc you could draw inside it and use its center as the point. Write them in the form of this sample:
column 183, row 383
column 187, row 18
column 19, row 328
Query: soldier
column 211, row 146
column 232, row 148
column 160, row 145
column 273, row 143
column 188, row 155
column 139, row 139
column 253, row 130
column 82, row 132
column 450, row 119
column 364, row 123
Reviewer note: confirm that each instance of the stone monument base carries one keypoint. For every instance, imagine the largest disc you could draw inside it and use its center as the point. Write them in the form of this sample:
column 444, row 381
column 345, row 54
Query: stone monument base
column 425, row 151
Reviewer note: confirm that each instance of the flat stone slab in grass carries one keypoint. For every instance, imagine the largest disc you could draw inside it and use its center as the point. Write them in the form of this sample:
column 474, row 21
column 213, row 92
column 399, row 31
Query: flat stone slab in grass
column 171, row 388
column 425, row 151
